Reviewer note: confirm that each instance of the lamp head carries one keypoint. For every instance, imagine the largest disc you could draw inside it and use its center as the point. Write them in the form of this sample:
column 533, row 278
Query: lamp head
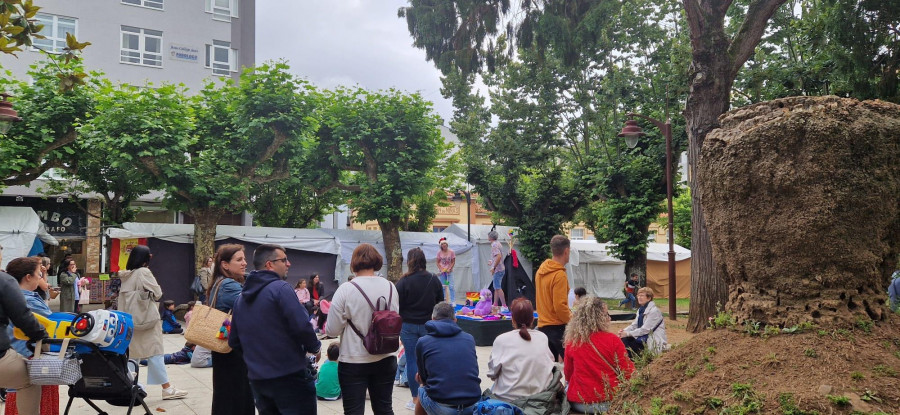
column 631, row 132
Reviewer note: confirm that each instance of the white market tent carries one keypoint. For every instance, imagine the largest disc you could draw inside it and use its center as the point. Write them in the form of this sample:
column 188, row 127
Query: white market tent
column 462, row 273
column 593, row 267
column 21, row 233
column 481, row 274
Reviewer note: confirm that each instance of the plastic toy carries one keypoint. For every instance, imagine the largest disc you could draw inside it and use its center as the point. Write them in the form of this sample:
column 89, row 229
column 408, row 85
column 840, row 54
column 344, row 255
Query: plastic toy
column 110, row 330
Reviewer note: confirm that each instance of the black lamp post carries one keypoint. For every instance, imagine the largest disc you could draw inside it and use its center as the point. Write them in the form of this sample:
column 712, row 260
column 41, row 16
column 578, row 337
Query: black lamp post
column 468, row 213
column 7, row 114
column 632, row 132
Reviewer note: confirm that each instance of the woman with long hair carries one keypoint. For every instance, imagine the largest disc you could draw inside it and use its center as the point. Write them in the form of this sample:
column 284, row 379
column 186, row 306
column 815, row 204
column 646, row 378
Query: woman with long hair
column 231, row 386
column 67, row 278
column 140, row 292
column 206, row 277
column 358, row 370
column 15, row 310
column 27, row 271
column 419, row 290
column 595, row 359
column 317, row 294
column 521, row 363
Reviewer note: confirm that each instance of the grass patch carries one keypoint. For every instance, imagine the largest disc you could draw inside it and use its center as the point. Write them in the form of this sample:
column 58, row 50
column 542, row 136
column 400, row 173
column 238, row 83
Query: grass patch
column 810, row 353
column 857, row 376
column 884, row 370
column 839, row 400
column 788, row 407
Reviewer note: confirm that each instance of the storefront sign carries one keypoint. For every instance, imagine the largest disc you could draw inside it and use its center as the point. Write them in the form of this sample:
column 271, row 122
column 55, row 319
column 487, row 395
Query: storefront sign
column 184, row 53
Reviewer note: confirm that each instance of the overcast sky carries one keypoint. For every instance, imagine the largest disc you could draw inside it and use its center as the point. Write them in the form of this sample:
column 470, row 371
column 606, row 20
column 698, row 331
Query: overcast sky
column 347, row 42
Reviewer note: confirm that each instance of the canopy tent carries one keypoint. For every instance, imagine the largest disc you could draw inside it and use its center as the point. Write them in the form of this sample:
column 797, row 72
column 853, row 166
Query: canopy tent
column 309, row 250
column 22, row 233
column 481, row 274
column 462, row 273
column 593, row 267
column 658, row 270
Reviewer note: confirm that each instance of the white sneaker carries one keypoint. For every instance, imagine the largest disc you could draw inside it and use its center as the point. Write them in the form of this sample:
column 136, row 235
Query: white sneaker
column 411, row 405
column 173, row 393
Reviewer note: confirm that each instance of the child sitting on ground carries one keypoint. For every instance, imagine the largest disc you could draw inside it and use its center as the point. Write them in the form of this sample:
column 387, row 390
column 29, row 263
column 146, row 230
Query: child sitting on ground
column 169, row 324
column 190, row 310
column 327, row 386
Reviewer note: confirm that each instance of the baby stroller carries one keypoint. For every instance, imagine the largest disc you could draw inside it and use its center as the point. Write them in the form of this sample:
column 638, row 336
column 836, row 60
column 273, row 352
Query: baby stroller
column 100, row 340
column 105, row 375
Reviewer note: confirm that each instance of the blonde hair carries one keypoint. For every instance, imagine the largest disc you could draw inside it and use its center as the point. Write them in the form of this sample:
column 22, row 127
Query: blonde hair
column 646, row 291
column 591, row 316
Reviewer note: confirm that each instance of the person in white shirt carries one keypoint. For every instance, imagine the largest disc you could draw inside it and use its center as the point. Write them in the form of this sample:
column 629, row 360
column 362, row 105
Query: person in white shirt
column 358, row 370
column 521, row 364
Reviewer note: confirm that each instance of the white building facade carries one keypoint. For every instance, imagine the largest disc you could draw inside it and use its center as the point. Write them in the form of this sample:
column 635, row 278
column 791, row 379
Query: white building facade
column 138, row 42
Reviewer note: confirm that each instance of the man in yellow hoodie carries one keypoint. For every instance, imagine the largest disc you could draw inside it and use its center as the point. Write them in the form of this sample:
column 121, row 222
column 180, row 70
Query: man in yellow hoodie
column 552, row 287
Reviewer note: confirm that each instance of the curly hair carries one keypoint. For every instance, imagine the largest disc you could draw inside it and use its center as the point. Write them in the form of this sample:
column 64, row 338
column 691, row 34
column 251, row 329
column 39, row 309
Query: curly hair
column 589, row 317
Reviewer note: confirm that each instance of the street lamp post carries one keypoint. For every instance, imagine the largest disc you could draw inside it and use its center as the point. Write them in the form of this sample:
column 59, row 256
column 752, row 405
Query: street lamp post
column 632, row 132
column 468, row 212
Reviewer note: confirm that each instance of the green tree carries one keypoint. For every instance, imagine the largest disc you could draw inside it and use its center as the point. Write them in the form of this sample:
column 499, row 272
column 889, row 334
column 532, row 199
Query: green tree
column 48, row 135
column 208, row 149
column 292, row 202
column 682, row 219
column 382, row 147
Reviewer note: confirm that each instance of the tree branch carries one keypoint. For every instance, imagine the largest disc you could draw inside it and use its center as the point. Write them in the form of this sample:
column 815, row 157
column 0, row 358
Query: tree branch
column 745, row 40
column 27, row 175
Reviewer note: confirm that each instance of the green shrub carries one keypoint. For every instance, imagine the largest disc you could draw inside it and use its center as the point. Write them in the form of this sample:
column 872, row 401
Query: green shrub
column 839, row 400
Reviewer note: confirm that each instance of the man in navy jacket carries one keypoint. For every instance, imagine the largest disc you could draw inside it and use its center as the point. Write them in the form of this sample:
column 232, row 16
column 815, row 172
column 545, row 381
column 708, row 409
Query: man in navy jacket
column 272, row 329
column 448, row 366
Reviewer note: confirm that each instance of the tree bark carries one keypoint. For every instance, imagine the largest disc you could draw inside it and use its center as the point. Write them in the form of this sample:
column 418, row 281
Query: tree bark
column 393, row 252
column 716, row 61
column 205, row 220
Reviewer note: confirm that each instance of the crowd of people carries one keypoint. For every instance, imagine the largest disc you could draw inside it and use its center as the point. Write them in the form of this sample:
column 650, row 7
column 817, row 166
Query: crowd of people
column 571, row 359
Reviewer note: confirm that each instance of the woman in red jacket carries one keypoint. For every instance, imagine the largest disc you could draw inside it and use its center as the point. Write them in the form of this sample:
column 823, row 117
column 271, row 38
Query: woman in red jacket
column 595, row 359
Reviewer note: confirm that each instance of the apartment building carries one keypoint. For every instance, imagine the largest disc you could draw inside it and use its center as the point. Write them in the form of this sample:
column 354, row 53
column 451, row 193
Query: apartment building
column 156, row 41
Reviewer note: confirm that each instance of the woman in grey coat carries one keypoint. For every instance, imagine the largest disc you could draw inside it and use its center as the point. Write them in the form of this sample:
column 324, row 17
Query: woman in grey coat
column 67, row 279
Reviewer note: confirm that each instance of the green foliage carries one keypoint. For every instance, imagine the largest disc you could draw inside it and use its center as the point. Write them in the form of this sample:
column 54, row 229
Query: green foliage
column 713, row 402
column 722, row 320
column 884, row 370
column 788, row 407
column 864, row 324
column 839, row 400
column 383, row 148
column 857, row 376
column 682, row 396
column 47, row 137
column 681, row 206
column 810, row 353
column 658, row 408
column 748, row 400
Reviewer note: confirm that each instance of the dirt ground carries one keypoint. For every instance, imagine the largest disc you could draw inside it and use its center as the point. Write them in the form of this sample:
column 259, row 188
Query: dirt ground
column 816, row 370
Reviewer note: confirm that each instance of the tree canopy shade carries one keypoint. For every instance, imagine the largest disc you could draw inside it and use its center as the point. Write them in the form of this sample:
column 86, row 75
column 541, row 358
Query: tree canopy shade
column 381, row 147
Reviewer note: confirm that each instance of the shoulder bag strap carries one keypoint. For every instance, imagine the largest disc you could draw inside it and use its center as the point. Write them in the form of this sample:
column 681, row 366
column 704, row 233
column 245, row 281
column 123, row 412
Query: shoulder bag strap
column 350, row 321
column 215, row 291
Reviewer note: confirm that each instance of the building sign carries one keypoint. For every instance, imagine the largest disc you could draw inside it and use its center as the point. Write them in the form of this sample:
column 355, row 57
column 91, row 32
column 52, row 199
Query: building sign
column 184, row 53
column 64, row 219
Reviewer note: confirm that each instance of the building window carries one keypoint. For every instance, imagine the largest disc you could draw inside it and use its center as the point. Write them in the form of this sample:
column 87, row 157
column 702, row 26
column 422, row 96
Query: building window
column 141, row 46
column 651, row 236
column 222, row 9
column 577, row 234
column 437, row 229
column 54, row 31
column 153, row 4
column 221, row 58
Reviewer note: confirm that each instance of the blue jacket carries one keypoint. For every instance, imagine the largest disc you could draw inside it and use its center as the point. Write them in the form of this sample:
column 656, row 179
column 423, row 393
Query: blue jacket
column 229, row 290
column 271, row 328
column 894, row 289
column 36, row 305
column 447, row 364
column 169, row 321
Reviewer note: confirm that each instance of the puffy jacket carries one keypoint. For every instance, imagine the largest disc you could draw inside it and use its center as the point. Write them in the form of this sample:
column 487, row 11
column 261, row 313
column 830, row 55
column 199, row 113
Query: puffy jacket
column 271, row 328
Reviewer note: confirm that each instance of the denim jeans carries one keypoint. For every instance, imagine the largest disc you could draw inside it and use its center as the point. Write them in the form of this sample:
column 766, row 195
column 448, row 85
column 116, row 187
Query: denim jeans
column 629, row 299
column 401, row 369
column 447, row 279
column 377, row 377
column 294, row 394
column 433, row 408
column 410, row 335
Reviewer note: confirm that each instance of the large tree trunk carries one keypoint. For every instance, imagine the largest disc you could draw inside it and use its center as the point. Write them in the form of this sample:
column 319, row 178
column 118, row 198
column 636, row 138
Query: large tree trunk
column 393, row 252
column 708, row 99
column 205, row 221
column 716, row 60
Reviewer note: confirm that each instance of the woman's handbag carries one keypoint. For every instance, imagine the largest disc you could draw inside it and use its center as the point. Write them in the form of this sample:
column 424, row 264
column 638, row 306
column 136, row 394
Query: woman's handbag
column 54, row 369
column 84, row 296
column 209, row 327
